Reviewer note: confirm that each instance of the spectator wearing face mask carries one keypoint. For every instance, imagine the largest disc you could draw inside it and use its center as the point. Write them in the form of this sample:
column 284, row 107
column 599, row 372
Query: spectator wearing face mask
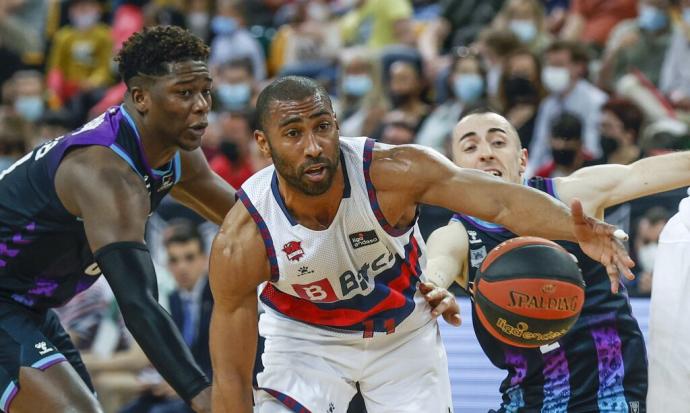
column 360, row 95
column 566, row 148
column 494, row 46
column 567, row 91
column 520, row 92
column 232, row 41
column 80, row 57
column 235, row 88
column 234, row 159
column 646, row 241
column 639, row 45
column 467, row 87
column 29, row 95
column 621, row 122
column 198, row 18
column 406, row 86
column 525, row 18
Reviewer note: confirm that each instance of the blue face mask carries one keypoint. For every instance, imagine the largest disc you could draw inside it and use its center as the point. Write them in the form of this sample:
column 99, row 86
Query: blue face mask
column 223, row 25
column 357, row 85
column 468, row 87
column 234, row 96
column 29, row 107
column 651, row 18
column 525, row 30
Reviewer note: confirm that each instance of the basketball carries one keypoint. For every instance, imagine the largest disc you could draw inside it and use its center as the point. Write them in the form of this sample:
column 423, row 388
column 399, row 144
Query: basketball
column 529, row 291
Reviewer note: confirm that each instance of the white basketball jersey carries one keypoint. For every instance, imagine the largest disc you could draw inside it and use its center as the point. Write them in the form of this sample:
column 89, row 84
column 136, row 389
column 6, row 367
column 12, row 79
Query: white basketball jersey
column 360, row 274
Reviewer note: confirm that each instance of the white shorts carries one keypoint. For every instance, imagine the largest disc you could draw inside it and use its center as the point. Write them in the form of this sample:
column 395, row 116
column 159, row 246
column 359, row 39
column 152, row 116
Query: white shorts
column 307, row 369
column 669, row 324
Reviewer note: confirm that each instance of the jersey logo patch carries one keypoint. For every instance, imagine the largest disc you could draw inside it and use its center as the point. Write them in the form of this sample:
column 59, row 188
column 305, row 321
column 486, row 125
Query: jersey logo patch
column 293, row 250
column 364, row 238
column 477, row 256
column 166, row 182
column 320, row 291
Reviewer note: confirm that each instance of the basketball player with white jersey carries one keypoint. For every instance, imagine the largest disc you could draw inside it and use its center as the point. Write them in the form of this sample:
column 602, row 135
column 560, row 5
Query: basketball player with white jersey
column 331, row 231
column 669, row 326
column 600, row 365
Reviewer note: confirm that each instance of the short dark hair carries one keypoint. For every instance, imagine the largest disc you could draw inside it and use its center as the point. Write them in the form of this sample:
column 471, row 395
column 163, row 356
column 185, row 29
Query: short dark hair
column 560, row 45
column 567, row 126
column 283, row 89
column 627, row 112
column 182, row 231
column 149, row 51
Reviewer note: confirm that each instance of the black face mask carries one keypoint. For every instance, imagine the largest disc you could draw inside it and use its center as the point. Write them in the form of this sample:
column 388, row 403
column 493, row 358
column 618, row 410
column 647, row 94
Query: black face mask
column 563, row 157
column 230, row 150
column 609, row 145
column 520, row 90
column 400, row 99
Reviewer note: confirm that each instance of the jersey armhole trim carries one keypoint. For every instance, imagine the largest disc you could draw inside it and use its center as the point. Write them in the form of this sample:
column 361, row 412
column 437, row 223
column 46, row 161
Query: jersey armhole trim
column 265, row 233
column 371, row 192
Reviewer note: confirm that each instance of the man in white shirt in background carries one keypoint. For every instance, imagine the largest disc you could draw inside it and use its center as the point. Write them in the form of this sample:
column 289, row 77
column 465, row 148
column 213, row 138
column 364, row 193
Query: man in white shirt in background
column 669, row 325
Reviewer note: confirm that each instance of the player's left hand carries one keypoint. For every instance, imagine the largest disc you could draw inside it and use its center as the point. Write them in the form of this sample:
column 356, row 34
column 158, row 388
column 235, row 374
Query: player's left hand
column 442, row 302
column 597, row 240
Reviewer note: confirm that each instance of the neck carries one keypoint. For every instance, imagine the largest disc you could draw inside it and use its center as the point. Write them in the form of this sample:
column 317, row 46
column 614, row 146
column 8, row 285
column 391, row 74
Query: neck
column 314, row 212
column 156, row 151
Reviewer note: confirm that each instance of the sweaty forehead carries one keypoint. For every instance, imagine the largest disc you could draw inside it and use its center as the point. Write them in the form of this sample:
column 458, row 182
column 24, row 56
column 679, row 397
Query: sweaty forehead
column 303, row 108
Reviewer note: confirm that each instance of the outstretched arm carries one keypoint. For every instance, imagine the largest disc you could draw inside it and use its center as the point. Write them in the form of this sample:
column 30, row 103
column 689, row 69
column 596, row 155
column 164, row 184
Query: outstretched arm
column 420, row 175
column 96, row 185
column 602, row 186
column 238, row 265
column 203, row 190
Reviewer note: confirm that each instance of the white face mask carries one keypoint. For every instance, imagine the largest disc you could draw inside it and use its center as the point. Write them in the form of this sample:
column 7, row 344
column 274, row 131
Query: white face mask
column 525, row 30
column 646, row 256
column 556, row 79
column 85, row 21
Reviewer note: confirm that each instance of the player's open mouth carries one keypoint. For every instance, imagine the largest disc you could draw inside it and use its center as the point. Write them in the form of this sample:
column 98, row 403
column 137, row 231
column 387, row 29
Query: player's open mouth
column 494, row 172
column 315, row 172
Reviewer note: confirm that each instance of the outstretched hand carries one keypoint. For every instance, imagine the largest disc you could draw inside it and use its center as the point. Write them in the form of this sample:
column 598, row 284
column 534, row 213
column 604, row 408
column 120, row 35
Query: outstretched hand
column 597, row 240
column 442, row 302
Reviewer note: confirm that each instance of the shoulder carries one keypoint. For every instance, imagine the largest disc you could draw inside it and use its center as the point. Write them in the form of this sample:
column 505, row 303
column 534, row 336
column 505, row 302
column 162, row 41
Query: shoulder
column 239, row 252
column 238, row 233
column 97, row 169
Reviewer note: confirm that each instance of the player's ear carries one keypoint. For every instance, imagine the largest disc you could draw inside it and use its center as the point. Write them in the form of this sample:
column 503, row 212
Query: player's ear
column 262, row 142
column 140, row 96
column 523, row 160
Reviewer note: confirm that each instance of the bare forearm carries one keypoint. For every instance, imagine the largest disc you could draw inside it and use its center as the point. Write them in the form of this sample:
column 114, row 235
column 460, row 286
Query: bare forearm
column 527, row 211
column 233, row 350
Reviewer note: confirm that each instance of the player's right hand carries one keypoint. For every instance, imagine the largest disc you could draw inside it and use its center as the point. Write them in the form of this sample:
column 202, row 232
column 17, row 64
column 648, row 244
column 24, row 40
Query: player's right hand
column 598, row 240
column 201, row 403
column 442, row 302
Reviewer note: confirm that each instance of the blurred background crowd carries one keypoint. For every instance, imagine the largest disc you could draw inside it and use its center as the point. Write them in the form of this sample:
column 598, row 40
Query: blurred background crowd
column 584, row 82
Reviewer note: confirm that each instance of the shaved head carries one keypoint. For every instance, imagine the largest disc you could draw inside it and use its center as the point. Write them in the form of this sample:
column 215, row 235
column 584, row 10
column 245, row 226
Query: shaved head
column 488, row 142
column 467, row 124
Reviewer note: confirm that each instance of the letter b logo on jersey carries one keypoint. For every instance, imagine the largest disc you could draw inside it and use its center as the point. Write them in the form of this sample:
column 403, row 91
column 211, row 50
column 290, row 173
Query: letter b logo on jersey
column 320, row 291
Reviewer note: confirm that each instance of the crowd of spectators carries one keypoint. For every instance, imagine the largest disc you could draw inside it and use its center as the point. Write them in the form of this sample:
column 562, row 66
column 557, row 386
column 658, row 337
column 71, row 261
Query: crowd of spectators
column 584, row 82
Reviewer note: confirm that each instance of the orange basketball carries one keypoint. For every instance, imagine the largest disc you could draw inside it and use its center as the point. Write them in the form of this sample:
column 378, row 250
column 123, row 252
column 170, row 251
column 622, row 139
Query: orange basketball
column 528, row 292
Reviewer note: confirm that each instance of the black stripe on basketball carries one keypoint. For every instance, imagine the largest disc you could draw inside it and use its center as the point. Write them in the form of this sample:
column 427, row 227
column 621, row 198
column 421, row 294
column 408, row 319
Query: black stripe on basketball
column 529, row 261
